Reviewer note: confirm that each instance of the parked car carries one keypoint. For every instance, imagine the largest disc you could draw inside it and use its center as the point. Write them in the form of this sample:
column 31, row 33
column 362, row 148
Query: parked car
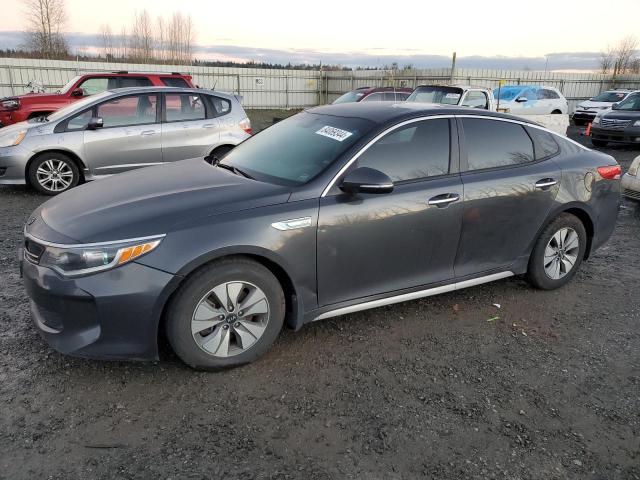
column 631, row 181
column 19, row 108
column 334, row 210
column 375, row 94
column 466, row 96
column 621, row 124
column 530, row 100
column 119, row 130
column 586, row 111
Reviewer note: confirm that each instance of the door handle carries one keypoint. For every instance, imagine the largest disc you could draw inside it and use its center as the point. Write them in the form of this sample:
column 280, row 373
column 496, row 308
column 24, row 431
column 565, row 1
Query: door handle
column 147, row 133
column 546, row 183
column 209, row 125
column 444, row 199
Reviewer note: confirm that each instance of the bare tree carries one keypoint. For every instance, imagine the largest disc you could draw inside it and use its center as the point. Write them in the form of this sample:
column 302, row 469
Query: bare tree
column 108, row 45
column 624, row 54
column 606, row 59
column 180, row 38
column 123, row 44
column 142, row 44
column 45, row 27
column 160, row 39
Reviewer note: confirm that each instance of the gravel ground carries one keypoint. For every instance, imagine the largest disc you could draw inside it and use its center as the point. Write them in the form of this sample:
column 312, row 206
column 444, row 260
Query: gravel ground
column 450, row 387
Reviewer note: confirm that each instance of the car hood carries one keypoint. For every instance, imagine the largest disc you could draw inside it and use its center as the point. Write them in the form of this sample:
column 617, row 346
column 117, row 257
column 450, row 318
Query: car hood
column 592, row 104
column 621, row 115
column 39, row 96
column 148, row 201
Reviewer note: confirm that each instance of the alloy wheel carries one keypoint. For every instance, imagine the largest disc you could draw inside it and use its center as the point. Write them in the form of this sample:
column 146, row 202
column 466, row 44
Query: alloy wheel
column 54, row 175
column 561, row 253
column 230, row 318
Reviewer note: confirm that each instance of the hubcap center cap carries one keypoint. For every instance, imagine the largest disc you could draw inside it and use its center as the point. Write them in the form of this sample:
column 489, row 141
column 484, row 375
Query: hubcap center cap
column 232, row 318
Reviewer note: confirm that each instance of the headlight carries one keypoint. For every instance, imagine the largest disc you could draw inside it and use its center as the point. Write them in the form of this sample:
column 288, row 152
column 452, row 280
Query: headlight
column 606, row 107
column 633, row 169
column 76, row 260
column 12, row 104
column 13, row 139
column 596, row 120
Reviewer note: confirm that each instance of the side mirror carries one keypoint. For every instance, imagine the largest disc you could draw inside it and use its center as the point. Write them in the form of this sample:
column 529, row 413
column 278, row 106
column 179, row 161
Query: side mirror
column 78, row 92
column 614, row 106
column 95, row 122
column 521, row 99
column 366, row 180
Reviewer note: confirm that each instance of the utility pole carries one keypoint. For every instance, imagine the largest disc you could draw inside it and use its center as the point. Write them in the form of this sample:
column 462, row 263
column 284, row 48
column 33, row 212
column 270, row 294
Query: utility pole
column 453, row 67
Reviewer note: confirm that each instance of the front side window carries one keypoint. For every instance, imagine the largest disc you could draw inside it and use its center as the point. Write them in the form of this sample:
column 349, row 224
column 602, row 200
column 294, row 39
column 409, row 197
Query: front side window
column 131, row 110
column 295, row 150
column 476, row 99
column 632, row 102
column 494, row 143
column 184, row 106
column 609, row 97
column 91, row 86
column 417, row 150
column 80, row 121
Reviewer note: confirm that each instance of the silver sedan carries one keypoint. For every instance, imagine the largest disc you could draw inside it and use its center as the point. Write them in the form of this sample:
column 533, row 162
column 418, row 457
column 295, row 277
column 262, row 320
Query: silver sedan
column 631, row 181
column 120, row 130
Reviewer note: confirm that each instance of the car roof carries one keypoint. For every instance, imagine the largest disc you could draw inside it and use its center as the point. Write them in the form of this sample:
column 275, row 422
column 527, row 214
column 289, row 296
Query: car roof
column 391, row 112
column 464, row 87
column 166, row 89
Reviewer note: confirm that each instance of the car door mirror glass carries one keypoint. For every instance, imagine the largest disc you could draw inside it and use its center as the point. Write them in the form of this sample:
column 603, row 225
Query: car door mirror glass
column 95, row 122
column 521, row 99
column 614, row 106
column 366, row 180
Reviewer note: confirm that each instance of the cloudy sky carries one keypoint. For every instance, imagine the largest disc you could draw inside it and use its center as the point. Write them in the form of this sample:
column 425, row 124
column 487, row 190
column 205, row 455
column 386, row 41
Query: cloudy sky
column 424, row 33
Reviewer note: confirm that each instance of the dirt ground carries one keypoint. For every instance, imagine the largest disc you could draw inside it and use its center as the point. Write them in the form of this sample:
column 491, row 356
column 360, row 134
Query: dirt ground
column 451, row 387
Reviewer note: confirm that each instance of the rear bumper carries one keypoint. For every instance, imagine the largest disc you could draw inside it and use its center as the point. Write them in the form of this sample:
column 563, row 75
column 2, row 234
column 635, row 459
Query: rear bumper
column 13, row 164
column 628, row 135
column 630, row 187
column 110, row 315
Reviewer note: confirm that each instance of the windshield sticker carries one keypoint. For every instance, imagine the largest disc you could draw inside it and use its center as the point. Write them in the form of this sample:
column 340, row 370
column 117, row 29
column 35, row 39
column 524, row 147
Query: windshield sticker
column 334, row 133
column 452, row 95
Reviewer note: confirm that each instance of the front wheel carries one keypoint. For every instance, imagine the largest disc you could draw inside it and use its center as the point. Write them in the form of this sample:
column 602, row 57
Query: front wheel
column 225, row 315
column 53, row 173
column 558, row 253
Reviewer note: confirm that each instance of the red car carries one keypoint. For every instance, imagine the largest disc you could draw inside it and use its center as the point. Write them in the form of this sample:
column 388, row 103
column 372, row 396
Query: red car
column 23, row 107
column 375, row 94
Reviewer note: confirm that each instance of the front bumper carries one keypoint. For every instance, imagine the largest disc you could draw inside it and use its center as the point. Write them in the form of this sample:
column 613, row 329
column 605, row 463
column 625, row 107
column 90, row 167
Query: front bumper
column 630, row 187
column 109, row 315
column 13, row 164
column 628, row 135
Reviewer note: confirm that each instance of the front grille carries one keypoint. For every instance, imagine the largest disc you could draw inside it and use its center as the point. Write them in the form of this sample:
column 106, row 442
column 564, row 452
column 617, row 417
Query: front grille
column 32, row 251
column 631, row 194
column 614, row 123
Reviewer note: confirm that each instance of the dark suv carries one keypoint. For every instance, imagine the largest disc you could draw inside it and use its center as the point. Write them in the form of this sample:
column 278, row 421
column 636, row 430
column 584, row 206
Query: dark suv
column 31, row 105
column 621, row 124
column 375, row 94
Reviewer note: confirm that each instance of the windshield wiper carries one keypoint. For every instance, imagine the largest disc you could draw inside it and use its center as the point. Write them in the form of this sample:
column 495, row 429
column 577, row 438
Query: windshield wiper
column 233, row 169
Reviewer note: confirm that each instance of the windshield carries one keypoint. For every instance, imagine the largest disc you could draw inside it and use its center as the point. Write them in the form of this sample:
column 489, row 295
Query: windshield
column 508, row 93
column 436, row 94
column 349, row 97
column 76, row 106
column 69, row 84
column 610, row 97
column 295, row 150
column 632, row 102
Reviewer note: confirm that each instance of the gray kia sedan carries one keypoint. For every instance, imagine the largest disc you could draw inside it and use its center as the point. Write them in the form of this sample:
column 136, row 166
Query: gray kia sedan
column 120, row 130
column 335, row 210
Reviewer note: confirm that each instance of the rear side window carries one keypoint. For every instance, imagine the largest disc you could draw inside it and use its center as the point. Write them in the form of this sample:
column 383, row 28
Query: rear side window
column 184, row 106
column 221, row 106
column 544, row 143
column 374, row 97
column 126, row 82
column 415, row 151
column 494, row 143
column 175, row 82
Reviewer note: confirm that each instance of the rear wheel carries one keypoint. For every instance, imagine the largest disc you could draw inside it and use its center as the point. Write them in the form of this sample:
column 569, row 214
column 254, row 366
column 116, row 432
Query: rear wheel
column 558, row 253
column 53, row 173
column 599, row 143
column 227, row 314
column 556, row 112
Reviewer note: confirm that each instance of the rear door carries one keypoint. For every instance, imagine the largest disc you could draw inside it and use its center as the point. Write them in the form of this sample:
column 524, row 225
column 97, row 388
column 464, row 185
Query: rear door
column 190, row 128
column 130, row 137
column 372, row 244
column 509, row 188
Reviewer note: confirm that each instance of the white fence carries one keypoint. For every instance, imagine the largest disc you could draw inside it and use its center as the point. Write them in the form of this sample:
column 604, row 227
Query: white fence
column 271, row 88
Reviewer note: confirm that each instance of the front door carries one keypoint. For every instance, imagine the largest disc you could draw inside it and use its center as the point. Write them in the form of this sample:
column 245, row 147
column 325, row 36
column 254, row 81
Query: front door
column 370, row 244
column 509, row 189
column 130, row 137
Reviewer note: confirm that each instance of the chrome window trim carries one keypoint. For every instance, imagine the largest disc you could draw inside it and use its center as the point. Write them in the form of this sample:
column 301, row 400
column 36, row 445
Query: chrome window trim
column 89, row 245
column 127, row 165
column 414, row 295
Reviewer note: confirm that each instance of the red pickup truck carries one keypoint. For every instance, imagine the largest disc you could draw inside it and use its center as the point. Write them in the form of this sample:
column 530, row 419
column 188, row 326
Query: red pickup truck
column 23, row 107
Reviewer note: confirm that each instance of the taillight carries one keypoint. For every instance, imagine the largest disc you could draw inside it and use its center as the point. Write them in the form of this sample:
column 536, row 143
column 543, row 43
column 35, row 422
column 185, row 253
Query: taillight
column 610, row 172
column 245, row 124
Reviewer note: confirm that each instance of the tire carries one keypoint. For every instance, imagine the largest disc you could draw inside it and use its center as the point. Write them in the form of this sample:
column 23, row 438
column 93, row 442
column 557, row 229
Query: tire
column 53, row 173
column 219, row 153
column 542, row 269
column 202, row 338
column 556, row 112
column 599, row 143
